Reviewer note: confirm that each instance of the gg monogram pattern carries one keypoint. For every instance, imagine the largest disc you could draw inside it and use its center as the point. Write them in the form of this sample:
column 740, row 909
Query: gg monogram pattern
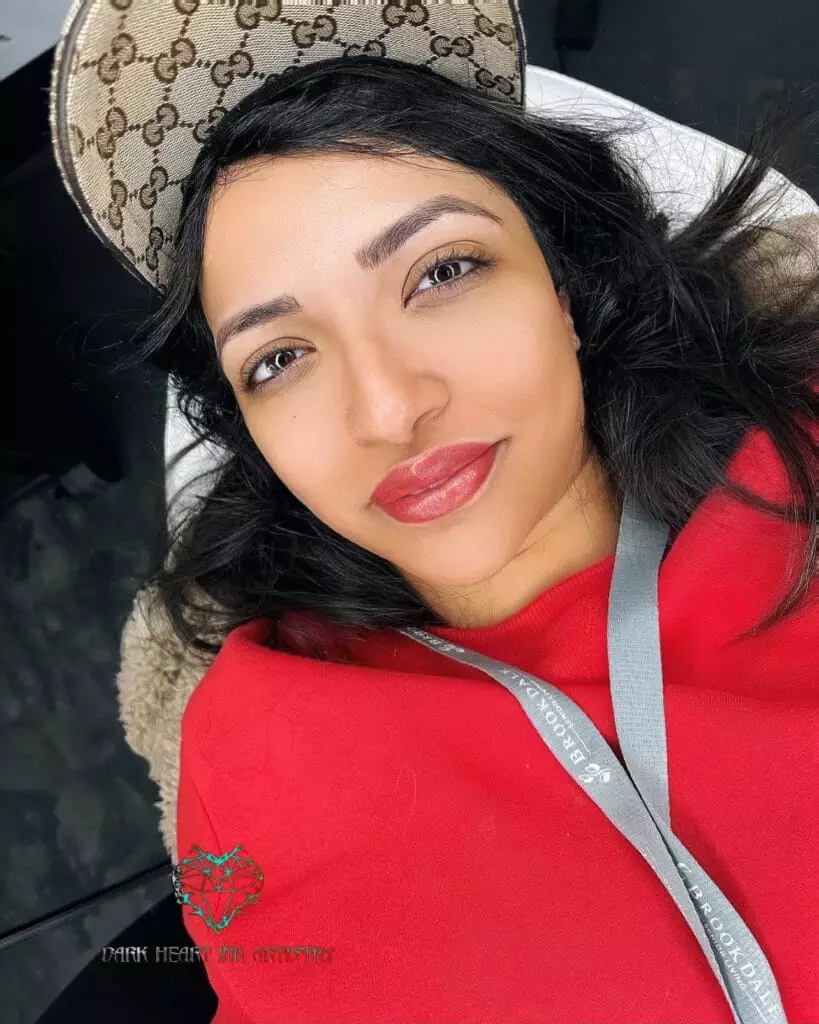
column 138, row 86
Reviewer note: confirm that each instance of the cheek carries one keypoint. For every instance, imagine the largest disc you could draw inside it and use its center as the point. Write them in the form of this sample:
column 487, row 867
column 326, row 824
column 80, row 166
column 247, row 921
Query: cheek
column 304, row 452
column 527, row 373
column 518, row 364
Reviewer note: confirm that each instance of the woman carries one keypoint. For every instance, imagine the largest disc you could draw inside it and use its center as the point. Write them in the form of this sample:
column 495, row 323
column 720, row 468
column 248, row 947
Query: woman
column 374, row 264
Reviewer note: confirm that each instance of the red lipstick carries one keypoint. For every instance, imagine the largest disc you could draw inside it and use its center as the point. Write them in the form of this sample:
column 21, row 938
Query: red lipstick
column 437, row 482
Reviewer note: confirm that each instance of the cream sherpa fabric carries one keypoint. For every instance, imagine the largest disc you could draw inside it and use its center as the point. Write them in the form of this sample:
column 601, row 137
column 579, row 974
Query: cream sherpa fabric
column 154, row 682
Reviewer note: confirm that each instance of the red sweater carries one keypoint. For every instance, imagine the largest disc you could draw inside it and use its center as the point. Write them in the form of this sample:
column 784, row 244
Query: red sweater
column 412, row 824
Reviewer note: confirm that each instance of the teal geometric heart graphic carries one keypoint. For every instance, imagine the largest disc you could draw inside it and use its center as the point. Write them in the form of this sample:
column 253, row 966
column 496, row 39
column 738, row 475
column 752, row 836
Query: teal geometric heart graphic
column 217, row 888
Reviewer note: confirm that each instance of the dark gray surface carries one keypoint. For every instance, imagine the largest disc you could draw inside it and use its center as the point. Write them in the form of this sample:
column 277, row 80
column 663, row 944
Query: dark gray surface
column 76, row 801
column 36, row 971
column 78, row 808
column 715, row 65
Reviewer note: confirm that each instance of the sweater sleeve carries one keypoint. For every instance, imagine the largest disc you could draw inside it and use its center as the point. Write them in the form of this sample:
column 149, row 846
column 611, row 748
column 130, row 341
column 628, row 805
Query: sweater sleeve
column 194, row 829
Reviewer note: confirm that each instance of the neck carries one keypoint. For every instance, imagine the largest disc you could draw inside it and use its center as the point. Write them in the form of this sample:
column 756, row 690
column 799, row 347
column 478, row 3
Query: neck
column 579, row 531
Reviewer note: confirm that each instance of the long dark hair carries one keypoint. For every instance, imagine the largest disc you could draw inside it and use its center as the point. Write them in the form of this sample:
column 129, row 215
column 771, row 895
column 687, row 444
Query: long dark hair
column 688, row 339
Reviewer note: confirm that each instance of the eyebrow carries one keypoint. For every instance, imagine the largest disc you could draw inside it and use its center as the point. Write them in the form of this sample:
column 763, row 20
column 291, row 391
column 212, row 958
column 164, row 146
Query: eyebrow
column 369, row 257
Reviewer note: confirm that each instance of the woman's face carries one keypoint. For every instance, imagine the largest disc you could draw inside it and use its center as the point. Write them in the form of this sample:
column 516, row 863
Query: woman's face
column 385, row 362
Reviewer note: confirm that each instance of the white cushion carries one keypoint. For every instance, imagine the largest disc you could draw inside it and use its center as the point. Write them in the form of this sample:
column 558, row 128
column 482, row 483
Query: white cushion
column 680, row 164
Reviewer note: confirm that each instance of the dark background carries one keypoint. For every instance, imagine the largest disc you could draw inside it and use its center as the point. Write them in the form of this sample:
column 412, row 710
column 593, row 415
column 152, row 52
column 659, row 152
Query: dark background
column 78, row 808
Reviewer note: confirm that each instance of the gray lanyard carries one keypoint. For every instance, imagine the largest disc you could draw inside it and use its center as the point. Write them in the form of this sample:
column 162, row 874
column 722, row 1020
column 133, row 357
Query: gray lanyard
column 636, row 801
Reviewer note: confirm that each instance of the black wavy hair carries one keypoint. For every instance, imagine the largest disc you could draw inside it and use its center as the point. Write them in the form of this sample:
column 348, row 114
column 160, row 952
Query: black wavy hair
column 689, row 338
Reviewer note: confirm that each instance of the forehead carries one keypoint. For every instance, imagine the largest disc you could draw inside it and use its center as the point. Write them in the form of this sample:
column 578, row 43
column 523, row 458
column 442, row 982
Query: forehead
column 292, row 210
column 328, row 188
column 298, row 172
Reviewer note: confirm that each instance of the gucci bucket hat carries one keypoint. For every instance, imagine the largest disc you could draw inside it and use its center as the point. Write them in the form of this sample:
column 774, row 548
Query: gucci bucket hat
column 138, row 85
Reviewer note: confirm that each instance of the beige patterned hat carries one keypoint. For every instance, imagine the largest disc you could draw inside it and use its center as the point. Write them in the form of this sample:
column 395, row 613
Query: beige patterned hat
column 137, row 86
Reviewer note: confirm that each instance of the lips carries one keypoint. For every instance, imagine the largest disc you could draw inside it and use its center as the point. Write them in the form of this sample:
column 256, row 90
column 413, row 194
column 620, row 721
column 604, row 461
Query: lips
column 428, row 470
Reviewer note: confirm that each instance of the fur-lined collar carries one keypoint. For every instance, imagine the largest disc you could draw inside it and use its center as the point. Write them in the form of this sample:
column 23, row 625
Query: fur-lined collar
column 157, row 675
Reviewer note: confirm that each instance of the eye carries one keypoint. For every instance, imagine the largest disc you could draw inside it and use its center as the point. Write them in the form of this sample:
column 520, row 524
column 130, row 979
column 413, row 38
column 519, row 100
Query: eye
column 453, row 279
column 249, row 384
column 451, row 282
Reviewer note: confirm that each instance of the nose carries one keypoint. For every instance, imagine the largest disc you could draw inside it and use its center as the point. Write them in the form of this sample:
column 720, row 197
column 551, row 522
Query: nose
column 388, row 392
